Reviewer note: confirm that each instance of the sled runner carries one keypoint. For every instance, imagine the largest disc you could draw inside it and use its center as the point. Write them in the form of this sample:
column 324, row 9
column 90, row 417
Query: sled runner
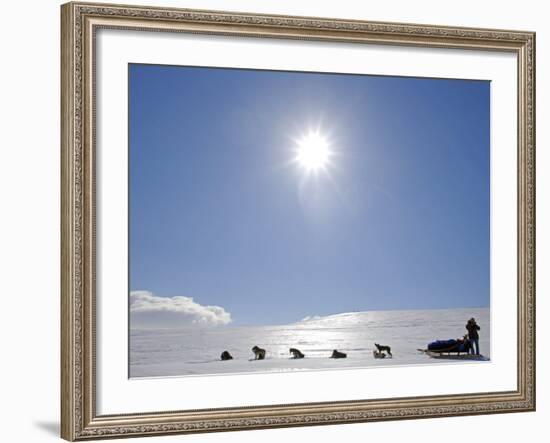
column 455, row 356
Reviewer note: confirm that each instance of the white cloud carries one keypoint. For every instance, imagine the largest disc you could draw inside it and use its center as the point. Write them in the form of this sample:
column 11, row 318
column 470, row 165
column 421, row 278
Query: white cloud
column 150, row 311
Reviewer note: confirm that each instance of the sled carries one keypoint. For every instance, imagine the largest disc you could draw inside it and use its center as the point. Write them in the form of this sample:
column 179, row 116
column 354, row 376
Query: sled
column 453, row 355
column 451, row 350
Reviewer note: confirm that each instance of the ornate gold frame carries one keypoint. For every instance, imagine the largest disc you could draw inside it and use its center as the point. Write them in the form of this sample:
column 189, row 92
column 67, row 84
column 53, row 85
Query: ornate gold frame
column 79, row 22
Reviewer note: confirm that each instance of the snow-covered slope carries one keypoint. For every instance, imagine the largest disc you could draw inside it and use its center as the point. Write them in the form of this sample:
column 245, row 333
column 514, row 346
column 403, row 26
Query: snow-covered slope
column 172, row 352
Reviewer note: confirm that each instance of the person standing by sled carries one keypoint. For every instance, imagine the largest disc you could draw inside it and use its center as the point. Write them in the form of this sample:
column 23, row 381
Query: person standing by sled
column 473, row 335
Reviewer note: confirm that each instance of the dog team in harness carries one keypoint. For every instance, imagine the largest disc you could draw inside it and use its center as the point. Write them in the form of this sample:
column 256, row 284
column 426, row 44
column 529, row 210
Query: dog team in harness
column 465, row 346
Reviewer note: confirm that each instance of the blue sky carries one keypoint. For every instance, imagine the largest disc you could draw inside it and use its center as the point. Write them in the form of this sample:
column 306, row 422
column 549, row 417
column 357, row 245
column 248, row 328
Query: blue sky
column 220, row 212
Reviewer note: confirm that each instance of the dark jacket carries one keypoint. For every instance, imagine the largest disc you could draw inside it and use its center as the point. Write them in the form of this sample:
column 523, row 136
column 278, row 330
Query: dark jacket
column 472, row 330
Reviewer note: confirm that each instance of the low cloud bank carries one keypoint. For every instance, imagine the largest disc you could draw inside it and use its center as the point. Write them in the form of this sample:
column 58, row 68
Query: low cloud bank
column 150, row 311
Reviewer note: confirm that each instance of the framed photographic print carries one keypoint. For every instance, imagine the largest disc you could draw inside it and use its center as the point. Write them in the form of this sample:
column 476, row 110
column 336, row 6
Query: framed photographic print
column 283, row 221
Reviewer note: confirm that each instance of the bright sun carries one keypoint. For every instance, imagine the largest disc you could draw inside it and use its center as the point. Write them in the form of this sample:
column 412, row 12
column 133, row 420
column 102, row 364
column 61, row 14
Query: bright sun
column 313, row 152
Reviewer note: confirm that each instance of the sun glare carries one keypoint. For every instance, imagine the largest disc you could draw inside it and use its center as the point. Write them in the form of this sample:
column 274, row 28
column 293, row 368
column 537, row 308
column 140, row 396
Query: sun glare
column 313, row 152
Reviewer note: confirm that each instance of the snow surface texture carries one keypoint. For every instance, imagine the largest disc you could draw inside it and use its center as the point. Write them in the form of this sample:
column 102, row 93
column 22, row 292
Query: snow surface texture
column 196, row 351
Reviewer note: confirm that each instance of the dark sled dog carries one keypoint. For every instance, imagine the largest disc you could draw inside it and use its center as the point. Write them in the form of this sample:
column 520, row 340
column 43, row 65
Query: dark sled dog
column 338, row 354
column 259, row 353
column 296, row 353
column 226, row 356
column 382, row 348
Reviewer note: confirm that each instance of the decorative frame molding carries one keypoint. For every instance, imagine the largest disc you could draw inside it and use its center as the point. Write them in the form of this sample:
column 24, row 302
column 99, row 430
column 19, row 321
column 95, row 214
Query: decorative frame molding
column 79, row 21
